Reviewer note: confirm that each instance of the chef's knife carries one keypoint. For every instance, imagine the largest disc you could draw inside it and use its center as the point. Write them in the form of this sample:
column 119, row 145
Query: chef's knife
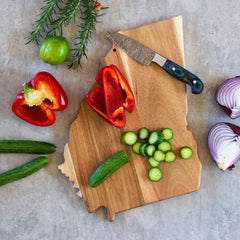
column 145, row 56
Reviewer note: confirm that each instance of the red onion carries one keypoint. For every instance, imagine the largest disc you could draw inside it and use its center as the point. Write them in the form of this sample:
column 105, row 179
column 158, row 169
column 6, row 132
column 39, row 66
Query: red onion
column 224, row 144
column 228, row 97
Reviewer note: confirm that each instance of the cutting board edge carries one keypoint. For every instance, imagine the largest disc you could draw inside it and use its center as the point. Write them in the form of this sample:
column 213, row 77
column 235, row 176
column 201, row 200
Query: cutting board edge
column 112, row 214
column 69, row 172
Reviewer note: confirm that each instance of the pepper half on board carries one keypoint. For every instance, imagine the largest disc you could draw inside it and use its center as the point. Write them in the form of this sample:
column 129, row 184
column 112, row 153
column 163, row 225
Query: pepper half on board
column 127, row 94
column 38, row 99
column 113, row 97
column 96, row 100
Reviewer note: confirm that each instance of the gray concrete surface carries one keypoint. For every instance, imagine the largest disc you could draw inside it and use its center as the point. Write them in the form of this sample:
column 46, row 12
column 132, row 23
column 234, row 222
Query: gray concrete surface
column 45, row 206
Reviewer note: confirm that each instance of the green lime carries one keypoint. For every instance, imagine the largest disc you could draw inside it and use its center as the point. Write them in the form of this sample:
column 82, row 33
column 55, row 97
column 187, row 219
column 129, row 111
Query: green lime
column 54, row 50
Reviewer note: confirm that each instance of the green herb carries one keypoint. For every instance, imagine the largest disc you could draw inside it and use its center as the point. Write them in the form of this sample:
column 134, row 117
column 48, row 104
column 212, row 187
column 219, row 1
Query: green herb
column 57, row 14
column 68, row 13
column 46, row 19
column 85, row 31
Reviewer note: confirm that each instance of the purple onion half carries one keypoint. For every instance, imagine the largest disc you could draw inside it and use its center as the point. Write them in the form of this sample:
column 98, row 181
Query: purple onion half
column 228, row 97
column 224, row 144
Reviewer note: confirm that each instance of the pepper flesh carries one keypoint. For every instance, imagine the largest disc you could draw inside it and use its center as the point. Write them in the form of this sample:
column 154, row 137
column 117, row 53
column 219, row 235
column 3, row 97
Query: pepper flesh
column 127, row 94
column 112, row 93
column 96, row 100
column 52, row 97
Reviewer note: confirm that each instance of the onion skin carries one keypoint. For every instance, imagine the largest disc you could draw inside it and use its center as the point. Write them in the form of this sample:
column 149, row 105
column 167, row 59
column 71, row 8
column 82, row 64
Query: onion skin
column 228, row 97
column 224, row 144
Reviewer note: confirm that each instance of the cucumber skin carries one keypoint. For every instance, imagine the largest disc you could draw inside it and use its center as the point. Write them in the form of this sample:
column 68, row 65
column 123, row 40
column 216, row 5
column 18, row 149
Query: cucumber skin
column 25, row 146
column 106, row 169
column 23, row 171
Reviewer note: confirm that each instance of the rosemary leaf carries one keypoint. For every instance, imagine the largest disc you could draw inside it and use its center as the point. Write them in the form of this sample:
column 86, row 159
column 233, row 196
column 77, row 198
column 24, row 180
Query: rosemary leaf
column 46, row 18
column 67, row 14
column 89, row 17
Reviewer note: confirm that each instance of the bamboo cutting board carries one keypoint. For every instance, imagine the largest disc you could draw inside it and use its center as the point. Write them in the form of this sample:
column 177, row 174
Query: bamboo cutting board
column 160, row 102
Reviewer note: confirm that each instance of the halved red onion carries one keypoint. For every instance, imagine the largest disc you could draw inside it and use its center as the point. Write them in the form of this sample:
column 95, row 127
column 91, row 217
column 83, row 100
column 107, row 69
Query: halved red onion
column 224, row 144
column 228, row 97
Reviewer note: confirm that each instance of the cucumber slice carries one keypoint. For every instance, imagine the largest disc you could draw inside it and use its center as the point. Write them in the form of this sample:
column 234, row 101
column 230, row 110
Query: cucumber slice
column 186, row 153
column 143, row 133
column 153, row 162
column 159, row 155
column 142, row 149
column 105, row 170
column 136, row 147
column 129, row 138
column 170, row 156
column 155, row 138
column 165, row 146
column 149, row 150
column 168, row 133
column 155, row 174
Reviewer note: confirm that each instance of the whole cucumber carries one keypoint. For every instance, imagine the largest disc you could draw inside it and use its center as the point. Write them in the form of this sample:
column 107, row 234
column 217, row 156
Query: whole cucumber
column 23, row 171
column 105, row 170
column 25, row 146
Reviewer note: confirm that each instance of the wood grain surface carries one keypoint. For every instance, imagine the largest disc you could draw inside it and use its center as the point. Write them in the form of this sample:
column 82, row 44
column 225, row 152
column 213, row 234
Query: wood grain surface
column 160, row 102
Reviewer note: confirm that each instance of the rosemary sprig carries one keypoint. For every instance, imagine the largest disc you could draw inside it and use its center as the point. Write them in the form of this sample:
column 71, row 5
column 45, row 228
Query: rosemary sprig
column 57, row 14
column 46, row 18
column 67, row 14
column 85, row 32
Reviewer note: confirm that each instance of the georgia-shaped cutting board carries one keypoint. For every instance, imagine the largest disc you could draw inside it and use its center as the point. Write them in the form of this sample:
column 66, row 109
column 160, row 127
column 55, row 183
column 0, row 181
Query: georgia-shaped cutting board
column 161, row 102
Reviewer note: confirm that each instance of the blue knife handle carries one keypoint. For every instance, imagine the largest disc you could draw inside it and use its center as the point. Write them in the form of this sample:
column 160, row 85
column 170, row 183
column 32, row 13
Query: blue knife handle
column 184, row 75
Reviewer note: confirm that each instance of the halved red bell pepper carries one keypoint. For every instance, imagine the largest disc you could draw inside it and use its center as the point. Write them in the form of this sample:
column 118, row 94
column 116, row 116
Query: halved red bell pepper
column 112, row 93
column 127, row 94
column 38, row 99
column 96, row 100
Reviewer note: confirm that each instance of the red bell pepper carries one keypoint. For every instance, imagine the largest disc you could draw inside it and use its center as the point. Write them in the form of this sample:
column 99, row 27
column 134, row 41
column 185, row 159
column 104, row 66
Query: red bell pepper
column 112, row 93
column 96, row 100
column 127, row 94
column 38, row 99
column 114, row 96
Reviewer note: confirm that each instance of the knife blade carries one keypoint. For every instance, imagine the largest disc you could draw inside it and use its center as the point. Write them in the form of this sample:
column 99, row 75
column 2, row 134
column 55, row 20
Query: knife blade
column 146, row 56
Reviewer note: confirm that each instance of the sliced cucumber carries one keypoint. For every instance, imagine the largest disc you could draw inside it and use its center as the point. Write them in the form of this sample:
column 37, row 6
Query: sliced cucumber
column 110, row 166
column 155, row 138
column 159, row 155
column 170, row 156
column 168, row 133
column 142, row 149
column 155, row 174
column 164, row 146
column 186, row 153
column 149, row 150
column 136, row 147
column 143, row 133
column 129, row 138
column 153, row 162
